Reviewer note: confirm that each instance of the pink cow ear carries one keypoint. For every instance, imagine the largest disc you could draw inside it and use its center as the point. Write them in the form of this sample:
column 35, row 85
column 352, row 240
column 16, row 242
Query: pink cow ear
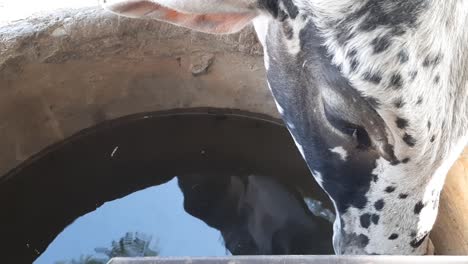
column 210, row 16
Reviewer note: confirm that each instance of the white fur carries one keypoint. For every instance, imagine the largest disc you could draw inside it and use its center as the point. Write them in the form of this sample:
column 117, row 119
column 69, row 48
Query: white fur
column 341, row 152
column 261, row 28
column 280, row 109
column 299, row 146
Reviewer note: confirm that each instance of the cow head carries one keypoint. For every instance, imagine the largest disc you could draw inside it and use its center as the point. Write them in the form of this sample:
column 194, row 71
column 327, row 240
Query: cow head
column 366, row 90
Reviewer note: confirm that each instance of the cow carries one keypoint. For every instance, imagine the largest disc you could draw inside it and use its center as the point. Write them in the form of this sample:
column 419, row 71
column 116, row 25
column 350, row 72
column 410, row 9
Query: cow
column 256, row 215
column 373, row 92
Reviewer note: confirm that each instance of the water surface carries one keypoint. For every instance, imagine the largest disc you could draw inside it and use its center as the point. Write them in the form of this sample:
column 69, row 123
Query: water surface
column 202, row 182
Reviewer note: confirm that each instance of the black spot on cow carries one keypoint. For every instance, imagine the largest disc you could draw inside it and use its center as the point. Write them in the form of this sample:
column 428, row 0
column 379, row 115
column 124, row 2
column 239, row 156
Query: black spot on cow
column 372, row 77
column 393, row 236
column 360, row 241
column 399, row 103
column 432, row 139
column 363, row 240
column 374, row 102
column 403, row 56
column 398, row 31
column 427, row 61
column 413, row 75
column 343, row 34
column 390, row 189
column 396, row 81
column 291, row 8
column 390, row 150
column 365, row 220
column 432, row 60
column 402, row 195
column 420, row 100
column 413, row 234
column 339, row 67
column 415, row 243
column 405, row 160
column 381, row 44
column 384, row 14
column 352, row 53
column 429, row 124
column 401, row 123
column 379, row 205
column 409, row 140
column 418, row 207
column 282, row 16
column 375, row 219
column 375, row 177
column 288, row 31
column 437, row 79
column 354, row 64
column 271, row 6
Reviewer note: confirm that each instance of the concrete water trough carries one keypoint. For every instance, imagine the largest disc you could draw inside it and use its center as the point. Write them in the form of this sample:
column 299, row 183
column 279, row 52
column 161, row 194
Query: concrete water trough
column 129, row 133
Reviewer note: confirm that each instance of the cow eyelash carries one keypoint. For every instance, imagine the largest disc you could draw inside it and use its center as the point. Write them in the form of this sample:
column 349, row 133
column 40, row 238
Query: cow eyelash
column 357, row 133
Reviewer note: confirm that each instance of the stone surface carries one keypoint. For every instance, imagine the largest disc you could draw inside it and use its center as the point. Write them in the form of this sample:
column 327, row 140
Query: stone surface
column 69, row 70
column 201, row 63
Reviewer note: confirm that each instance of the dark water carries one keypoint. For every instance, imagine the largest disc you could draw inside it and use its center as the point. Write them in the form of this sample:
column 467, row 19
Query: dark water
column 179, row 183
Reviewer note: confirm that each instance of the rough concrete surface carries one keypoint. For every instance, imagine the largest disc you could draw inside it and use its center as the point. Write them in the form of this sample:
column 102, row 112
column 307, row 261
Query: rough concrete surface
column 69, row 70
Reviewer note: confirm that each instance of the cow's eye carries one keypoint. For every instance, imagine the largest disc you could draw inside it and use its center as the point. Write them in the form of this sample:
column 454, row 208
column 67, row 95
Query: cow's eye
column 356, row 133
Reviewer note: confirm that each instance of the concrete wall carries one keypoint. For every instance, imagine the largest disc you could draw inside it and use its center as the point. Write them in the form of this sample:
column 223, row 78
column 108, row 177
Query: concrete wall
column 66, row 71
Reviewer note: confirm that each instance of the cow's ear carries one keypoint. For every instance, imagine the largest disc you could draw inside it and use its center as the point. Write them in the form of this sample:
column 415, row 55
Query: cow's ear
column 210, row 16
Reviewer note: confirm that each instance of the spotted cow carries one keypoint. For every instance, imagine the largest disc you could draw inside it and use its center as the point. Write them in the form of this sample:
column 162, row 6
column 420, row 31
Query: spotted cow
column 374, row 93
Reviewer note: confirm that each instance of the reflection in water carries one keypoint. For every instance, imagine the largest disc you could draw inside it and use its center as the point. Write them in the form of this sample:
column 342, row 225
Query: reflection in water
column 155, row 211
column 226, row 214
column 57, row 205
column 256, row 215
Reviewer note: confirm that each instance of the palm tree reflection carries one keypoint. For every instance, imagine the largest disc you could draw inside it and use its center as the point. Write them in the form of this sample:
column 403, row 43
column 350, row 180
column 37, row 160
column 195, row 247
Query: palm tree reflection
column 130, row 245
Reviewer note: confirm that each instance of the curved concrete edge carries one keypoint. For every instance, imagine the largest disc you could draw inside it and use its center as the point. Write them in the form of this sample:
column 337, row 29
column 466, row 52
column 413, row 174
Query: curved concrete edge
column 66, row 71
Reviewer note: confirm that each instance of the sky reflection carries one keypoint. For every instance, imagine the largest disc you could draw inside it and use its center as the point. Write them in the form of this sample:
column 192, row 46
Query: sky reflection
column 156, row 211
